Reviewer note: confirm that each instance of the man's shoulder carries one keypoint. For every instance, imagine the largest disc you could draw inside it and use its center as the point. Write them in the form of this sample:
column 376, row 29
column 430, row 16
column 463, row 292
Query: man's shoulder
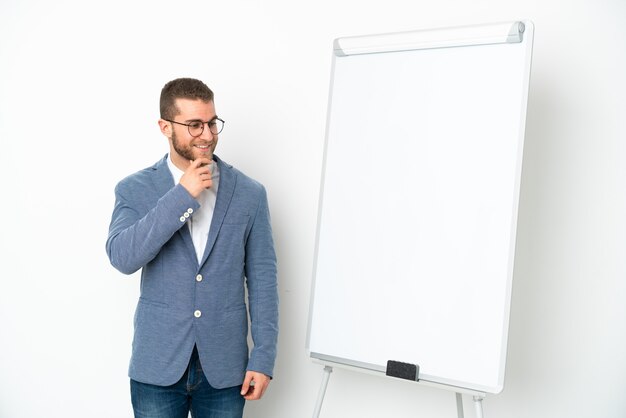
column 242, row 179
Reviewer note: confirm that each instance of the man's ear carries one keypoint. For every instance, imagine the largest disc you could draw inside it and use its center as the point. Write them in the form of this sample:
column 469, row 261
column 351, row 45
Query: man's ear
column 166, row 128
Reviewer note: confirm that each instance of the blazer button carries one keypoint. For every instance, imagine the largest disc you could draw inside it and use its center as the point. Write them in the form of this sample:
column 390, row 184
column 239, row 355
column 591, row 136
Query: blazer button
column 199, row 278
column 197, row 314
column 182, row 219
column 186, row 215
column 190, row 211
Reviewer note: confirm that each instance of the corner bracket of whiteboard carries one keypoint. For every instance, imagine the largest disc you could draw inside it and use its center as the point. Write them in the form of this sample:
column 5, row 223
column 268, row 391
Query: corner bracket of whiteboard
column 497, row 33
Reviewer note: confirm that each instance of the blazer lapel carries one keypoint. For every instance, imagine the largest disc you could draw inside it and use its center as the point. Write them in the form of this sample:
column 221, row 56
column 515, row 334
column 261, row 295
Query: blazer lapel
column 228, row 180
column 164, row 182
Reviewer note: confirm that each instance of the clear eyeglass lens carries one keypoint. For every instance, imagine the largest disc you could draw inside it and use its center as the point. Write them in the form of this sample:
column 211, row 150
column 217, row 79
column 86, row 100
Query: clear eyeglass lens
column 196, row 128
column 216, row 126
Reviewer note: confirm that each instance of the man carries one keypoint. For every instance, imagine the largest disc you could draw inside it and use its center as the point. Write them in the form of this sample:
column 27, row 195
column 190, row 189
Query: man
column 200, row 231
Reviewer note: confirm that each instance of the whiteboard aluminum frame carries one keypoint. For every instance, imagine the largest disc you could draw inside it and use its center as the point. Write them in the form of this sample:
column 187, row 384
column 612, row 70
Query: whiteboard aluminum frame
column 495, row 33
column 509, row 32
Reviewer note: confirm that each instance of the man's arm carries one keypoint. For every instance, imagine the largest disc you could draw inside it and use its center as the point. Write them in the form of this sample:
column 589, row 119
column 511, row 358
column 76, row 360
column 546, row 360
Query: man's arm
column 135, row 240
column 261, row 277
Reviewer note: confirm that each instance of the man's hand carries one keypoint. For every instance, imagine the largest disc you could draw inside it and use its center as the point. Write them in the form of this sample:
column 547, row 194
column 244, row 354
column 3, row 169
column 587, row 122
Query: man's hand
column 254, row 385
column 197, row 177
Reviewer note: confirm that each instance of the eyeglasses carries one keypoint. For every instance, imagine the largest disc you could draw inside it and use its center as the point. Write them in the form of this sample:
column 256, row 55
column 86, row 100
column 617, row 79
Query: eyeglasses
column 196, row 127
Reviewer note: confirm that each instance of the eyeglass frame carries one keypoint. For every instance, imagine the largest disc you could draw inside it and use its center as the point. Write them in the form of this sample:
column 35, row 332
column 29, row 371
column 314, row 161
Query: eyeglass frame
column 188, row 125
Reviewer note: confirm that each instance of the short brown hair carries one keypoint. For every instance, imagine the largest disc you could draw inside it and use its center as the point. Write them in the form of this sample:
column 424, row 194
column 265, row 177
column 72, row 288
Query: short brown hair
column 182, row 88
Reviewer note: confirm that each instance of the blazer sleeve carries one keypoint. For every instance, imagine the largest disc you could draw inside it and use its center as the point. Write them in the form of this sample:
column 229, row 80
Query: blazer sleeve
column 261, row 276
column 139, row 229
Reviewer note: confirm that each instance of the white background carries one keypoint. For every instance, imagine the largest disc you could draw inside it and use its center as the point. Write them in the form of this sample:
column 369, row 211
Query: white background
column 79, row 88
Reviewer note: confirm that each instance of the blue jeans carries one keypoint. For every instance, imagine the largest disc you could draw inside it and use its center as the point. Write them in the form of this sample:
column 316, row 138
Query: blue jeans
column 192, row 393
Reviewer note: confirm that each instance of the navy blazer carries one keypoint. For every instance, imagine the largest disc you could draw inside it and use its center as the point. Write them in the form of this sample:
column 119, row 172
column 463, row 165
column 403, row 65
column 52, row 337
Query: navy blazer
column 183, row 302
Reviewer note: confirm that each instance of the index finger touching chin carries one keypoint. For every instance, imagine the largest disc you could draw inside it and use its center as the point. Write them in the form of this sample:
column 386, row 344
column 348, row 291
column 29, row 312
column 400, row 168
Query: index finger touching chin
column 204, row 161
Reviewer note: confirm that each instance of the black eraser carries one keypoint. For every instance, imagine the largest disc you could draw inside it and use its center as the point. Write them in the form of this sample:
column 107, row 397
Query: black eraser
column 402, row 370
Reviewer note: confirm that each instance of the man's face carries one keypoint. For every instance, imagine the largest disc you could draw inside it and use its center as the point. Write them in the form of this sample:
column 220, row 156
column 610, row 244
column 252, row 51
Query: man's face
column 184, row 147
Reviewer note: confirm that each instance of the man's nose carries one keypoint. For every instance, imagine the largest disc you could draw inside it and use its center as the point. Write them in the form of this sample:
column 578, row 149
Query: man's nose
column 206, row 132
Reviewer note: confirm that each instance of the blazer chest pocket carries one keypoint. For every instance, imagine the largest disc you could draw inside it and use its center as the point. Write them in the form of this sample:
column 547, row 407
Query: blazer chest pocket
column 231, row 239
column 236, row 219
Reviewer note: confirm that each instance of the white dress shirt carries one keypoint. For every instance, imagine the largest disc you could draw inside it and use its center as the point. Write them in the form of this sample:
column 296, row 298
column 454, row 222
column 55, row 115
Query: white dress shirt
column 200, row 221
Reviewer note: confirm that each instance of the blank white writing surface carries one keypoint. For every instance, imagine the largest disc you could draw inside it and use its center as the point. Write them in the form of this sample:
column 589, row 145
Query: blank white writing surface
column 418, row 210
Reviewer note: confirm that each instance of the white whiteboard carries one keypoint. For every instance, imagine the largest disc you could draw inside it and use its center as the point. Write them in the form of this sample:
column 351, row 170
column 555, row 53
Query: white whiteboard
column 418, row 209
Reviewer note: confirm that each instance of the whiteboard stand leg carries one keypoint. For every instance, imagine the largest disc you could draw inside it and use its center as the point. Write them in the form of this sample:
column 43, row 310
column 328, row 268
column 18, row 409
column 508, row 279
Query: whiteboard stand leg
column 459, row 405
column 478, row 406
column 320, row 396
